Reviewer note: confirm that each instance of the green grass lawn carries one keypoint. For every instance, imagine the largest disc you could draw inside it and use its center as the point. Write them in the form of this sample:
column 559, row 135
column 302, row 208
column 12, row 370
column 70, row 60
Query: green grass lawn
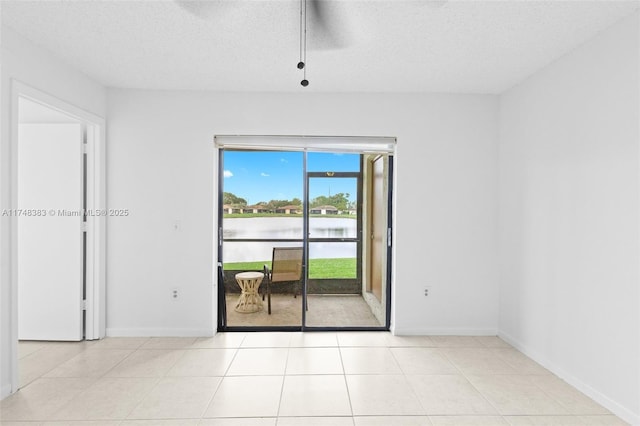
column 318, row 268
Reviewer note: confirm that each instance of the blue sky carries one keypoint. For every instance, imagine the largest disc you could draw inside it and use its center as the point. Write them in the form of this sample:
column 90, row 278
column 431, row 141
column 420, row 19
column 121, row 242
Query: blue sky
column 277, row 175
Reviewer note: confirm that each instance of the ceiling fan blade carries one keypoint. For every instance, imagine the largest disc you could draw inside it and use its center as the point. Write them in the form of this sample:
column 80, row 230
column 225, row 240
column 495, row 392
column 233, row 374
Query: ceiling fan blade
column 326, row 26
column 200, row 8
column 316, row 10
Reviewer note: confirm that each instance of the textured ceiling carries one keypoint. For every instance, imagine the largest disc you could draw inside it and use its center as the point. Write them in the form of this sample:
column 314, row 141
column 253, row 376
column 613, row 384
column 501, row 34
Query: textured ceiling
column 253, row 45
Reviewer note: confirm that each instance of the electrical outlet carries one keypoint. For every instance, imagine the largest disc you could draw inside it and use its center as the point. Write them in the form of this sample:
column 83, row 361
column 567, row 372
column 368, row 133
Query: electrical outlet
column 174, row 294
column 427, row 291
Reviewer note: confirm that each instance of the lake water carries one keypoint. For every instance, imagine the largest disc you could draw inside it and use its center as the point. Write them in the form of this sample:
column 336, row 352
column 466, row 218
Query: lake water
column 286, row 227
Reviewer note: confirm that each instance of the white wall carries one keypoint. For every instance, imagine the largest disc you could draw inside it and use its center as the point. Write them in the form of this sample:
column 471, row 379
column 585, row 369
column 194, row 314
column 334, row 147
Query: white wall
column 33, row 66
column 161, row 166
column 569, row 218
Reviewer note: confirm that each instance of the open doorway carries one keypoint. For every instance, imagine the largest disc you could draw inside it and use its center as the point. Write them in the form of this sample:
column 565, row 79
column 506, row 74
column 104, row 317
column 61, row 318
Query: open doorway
column 58, row 220
column 322, row 202
column 50, row 219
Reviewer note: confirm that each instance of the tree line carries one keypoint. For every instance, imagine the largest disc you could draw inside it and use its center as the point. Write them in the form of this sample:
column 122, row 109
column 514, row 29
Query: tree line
column 339, row 201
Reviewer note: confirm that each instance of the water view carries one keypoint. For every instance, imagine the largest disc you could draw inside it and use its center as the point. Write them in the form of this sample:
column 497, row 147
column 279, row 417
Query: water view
column 283, row 228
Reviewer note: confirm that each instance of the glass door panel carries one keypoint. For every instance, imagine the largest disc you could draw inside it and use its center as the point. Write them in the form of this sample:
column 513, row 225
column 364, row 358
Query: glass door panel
column 261, row 209
column 335, row 286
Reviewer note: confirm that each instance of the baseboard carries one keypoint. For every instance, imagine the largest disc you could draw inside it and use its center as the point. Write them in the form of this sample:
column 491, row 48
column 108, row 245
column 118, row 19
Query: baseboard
column 425, row 331
column 5, row 391
column 617, row 409
column 160, row 332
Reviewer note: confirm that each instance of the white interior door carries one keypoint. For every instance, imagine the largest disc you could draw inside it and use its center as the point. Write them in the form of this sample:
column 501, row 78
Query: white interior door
column 50, row 242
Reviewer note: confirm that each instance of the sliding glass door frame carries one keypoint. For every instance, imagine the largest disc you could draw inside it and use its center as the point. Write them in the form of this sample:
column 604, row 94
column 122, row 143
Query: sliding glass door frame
column 357, row 240
column 305, row 240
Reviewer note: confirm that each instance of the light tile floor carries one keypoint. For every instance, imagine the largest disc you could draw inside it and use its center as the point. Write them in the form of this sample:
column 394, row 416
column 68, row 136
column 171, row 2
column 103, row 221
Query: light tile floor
column 292, row 379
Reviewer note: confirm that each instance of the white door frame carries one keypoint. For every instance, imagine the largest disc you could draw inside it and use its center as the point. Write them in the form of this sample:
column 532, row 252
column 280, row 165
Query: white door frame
column 96, row 224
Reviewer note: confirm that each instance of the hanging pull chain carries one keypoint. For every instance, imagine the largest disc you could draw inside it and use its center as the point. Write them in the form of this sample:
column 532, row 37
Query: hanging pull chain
column 303, row 42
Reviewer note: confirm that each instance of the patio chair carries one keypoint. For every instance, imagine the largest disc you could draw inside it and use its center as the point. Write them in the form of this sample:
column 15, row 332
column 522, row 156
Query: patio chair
column 286, row 266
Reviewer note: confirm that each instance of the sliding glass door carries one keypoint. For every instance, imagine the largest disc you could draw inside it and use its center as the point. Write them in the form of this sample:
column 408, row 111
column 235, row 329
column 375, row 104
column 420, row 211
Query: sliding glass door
column 328, row 205
column 261, row 208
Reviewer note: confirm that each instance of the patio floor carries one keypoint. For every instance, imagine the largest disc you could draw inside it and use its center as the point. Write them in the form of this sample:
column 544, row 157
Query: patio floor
column 324, row 311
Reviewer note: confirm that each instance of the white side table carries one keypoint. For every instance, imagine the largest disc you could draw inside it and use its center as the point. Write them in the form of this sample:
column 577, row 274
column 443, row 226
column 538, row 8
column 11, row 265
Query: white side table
column 249, row 300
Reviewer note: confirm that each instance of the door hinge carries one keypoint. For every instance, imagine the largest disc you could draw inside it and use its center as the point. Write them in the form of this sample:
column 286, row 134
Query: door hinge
column 83, row 227
column 84, row 305
column 84, row 148
column 388, row 237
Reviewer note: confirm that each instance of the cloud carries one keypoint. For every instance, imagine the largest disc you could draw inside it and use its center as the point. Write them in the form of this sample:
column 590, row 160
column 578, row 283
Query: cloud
column 264, row 174
column 283, row 160
column 227, row 173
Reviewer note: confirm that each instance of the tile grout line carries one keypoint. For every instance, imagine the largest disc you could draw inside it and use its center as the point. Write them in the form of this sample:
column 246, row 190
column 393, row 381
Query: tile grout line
column 97, row 379
column 158, row 378
column 444, row 353
column 282, row 385
column 42, row 376
column 346, row 384
column 151, row 388
column 224, row 375
column 413, row 391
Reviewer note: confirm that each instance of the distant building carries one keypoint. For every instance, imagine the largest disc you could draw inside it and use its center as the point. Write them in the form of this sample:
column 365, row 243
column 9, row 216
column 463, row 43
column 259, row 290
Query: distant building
column 289, row 210
column 258, row 208
column 323, row 210
column 227, row 208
